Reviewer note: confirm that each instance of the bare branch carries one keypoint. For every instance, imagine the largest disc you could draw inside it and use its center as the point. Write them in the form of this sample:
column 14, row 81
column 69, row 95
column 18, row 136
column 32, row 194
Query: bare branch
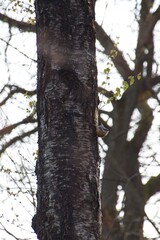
column 23, row 26
column 13, row 90
column 8, row 129
column 9, row 233
column 153, row 224
column 156, row 14
column 119, row 61
column 151, row 187
column 17, row 138
column 18, row 50
column 145, row 36
column 144, row 125
column 155, row 80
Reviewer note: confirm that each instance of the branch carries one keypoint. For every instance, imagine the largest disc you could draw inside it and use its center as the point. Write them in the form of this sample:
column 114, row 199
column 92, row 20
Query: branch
column 155, row 80
column 17, row 138
column 151, row 187
column 105, row 92
column 119, row 61
column 23, row 26
column 144, row 125
column 145, row 37
column 8, row 129
column 15, row 89
column 145, row 8
column 8, row 44
column 156, row 14
column 9, row 233
column 147, row 24
column 153, row 224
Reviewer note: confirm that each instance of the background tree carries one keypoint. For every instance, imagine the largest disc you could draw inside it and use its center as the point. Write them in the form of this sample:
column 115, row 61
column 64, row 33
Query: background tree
column 131, row 171
column 122, row 162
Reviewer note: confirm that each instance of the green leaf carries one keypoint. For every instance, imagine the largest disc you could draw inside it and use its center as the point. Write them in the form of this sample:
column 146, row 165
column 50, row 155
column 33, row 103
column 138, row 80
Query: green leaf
column 107, row 70
column 131, row 80
column 125, row 85
column 139, row 76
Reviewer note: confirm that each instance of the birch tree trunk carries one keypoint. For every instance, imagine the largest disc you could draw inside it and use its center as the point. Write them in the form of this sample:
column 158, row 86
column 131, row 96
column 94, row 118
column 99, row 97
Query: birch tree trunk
column 68, row 163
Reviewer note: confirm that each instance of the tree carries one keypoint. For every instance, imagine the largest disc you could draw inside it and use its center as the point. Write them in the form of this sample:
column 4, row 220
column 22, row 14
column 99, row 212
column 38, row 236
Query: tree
column 68, row 162
column 130, row 181
column 122, row 165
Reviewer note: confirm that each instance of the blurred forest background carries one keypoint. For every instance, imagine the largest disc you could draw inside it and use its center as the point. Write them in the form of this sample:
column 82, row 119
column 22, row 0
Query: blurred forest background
column 128, row 58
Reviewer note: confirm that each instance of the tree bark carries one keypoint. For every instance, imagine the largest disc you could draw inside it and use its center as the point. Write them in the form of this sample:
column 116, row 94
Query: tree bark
column 68, row 162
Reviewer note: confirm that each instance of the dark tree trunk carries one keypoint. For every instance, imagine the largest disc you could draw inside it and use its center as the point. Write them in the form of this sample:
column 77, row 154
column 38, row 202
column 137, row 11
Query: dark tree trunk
column 122, row 168
column 68, row 163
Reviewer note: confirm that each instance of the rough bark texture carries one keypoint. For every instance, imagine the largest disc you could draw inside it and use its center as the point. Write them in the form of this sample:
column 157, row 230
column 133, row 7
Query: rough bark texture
column 68, row 164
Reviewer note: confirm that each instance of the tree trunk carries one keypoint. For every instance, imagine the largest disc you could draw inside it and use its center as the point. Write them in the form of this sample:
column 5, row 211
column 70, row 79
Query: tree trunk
column 68, row 163
column 122, row 168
